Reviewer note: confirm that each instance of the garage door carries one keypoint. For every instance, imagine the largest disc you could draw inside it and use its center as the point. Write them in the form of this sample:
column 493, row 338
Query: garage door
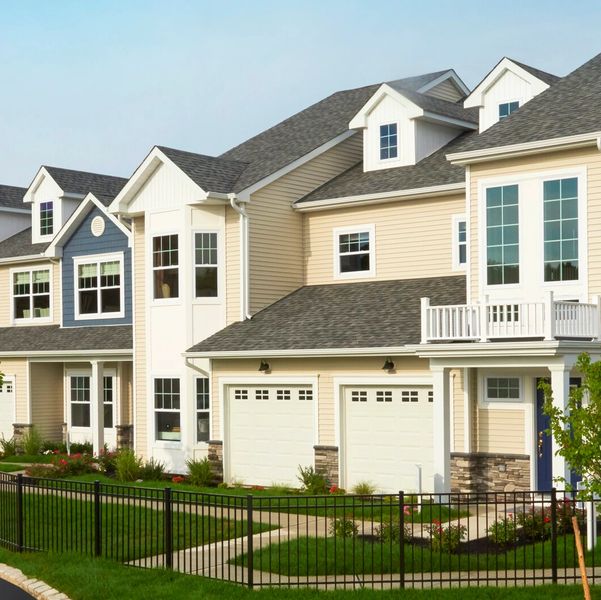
column 270, row 433
column 387, row 435
column 7, row 408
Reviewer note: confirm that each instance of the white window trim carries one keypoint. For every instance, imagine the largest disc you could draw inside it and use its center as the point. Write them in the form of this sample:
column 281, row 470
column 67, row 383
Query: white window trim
column 32, row 320
column 151, row 268
column 157, row 443
column 97, row 259
column 398, row 142
column 337, row 232
column 198, row 442
column 46, row 236
column 499, row 403
column 499, row 104
column 218, row 299
column 456, row 265
column 88, row 373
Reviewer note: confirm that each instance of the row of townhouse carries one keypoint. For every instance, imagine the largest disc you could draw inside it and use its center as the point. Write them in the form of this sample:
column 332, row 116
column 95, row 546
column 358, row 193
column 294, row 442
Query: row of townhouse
column 374, row 286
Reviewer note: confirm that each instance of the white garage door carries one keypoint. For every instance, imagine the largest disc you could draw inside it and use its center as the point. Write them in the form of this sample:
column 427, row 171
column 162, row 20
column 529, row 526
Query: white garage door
column 270, row 433
column 7, row 408
column 387, row 432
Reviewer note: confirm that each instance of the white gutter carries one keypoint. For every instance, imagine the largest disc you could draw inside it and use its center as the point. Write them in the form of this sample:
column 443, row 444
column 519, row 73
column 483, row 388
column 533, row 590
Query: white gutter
column 23, row 259
column 58, row 353
column 365, row 199
column 20, row 211
column 305, row 353
column 527, row 148
column 235, row 203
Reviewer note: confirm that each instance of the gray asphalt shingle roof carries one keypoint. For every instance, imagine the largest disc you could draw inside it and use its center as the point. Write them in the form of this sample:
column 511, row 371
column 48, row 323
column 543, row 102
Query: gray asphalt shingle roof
column 20, row 245
column 548, row 78
column 431, row 171
column 347, row 315
column 569, row 107
column 82, row 182
column 43, row 338
column 12, row 197
column 210, row 173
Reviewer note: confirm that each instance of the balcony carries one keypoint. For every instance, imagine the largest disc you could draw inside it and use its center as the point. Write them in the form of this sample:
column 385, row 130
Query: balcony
column 548, row 320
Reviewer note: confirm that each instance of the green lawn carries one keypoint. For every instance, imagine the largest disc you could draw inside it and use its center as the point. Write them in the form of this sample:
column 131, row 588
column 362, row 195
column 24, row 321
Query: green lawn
column 369, row 508
column 10, row 468
column 329, row 556
column 96, row 579
column 28, row 458
column 56, row 523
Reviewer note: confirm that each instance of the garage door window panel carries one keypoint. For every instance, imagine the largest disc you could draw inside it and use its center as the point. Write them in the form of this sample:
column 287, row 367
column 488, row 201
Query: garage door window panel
column 167, row 409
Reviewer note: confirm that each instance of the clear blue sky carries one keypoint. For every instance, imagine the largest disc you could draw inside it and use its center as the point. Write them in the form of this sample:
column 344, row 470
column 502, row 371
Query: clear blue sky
column 94, row 84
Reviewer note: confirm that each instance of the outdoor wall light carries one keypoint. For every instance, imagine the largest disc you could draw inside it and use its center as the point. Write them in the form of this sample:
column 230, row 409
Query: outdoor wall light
column 264, row 367
column 388, row 365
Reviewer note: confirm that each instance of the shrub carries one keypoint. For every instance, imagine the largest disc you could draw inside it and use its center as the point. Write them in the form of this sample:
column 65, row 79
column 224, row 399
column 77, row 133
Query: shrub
column 152, row 470
column 566, row 509
column 445, row 539
column 200, row 472
column 343, row 528
column 535, row 523
column 32, row 442
column 312, row 482
column 53, row 448
column 223, row 485
column 84, row 448
column 364, row 488
column 107, row 462
column 9, row 447
column 504, row 531
column 391, row 532
column 127, row 465
column 42, row 471
column 280, row 489
column 73, row 464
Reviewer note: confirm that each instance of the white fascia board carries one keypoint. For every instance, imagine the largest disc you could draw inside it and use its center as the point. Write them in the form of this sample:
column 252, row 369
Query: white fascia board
column 23, row 259
column 475, row 99
column 526, row 148
column 435, row 118
column 90, row 201
column 413, row 194
column 33, row 186
column 309, row 353
column 244, row 195
column 140, row 176
column 359, row 121
column 83, row 355
column 450, row 74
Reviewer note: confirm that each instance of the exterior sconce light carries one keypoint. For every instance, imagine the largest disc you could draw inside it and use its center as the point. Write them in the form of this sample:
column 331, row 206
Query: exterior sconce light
column 264, row 367
column 388, row 365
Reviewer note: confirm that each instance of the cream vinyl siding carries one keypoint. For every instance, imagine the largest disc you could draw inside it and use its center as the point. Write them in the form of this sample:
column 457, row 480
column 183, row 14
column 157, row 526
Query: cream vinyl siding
column 325, row 369
column 553, row 160
column 47, row 400
column 17, row 368
column 413, row 238
column 458, row 410
column 141, row 400
column 446, row 90
column 6, row 297
column 276, row 230
column 501, row 431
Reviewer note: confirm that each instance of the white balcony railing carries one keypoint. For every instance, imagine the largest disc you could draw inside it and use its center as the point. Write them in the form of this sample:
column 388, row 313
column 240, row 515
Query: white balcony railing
column 511, row 320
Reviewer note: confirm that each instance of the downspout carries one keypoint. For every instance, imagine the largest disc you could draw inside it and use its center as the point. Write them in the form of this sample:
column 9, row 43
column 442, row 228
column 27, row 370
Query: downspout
column 244, row 262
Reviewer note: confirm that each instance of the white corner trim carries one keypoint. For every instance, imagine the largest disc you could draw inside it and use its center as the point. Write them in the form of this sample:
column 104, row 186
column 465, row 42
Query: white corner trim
column 379, row 198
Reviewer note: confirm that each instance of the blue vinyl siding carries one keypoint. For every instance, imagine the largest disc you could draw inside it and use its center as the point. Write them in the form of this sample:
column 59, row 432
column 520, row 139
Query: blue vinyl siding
column 83, row 243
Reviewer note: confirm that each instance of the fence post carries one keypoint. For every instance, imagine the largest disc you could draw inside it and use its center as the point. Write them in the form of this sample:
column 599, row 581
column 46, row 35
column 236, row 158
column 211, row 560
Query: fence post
column 97, row 520
column 554, row 535
column 20, row 512
column 168, row 517
column 249, row 539
column 402, row 537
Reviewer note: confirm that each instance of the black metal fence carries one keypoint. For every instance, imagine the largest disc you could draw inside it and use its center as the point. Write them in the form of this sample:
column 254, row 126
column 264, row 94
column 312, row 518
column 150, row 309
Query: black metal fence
column 334, row 541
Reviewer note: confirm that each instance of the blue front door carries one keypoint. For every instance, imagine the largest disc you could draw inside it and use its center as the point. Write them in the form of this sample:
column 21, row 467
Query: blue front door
column 544, row 456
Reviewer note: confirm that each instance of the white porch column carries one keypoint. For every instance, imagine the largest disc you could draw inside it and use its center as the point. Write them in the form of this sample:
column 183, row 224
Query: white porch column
column 441, row 430
column 560, row 384
column 97, row 405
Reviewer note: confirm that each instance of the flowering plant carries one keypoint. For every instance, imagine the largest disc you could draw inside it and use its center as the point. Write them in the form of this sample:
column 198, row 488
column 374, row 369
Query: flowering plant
column 504, row 531
column 178, row 479
column 445, row 539
column 535, row 523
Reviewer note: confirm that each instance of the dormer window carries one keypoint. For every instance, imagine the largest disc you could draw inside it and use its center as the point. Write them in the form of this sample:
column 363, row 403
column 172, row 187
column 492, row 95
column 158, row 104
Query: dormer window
column 46, row 218
column 506, row 108
column 388, row 141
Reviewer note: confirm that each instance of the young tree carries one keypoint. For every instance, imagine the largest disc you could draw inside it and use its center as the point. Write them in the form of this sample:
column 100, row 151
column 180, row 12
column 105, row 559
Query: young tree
column 577, row 429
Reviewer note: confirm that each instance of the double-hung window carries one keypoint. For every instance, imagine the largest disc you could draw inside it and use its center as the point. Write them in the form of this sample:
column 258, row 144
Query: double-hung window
column 109, row 401
column 99, row 287
column 205, row 265
column 389, row 145
column 203, row 400
column 165, row 266
column 502, row 235
column 80, row 401
column 46, row 218
column 459, row 242
column 506, row 108
column 31, row 294
column 560, row 200
column 355, row 251
column 167, row 409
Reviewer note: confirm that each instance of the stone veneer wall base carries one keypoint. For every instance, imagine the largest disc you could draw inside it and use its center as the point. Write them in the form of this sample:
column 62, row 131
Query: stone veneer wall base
column 215, row 456
column 326, row 462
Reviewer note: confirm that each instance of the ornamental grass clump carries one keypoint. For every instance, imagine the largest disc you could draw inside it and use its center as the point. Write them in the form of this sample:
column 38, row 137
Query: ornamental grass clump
column 32, row 442
column 199, row 472
column 127, row 465
column 312, row 482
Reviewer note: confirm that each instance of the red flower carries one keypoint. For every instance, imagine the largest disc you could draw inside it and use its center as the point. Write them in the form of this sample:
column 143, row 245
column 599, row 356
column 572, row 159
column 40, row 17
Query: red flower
column 62, row 462
column 333, row 489
column 258, row 488
column 547, row 520
column 178, row 479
